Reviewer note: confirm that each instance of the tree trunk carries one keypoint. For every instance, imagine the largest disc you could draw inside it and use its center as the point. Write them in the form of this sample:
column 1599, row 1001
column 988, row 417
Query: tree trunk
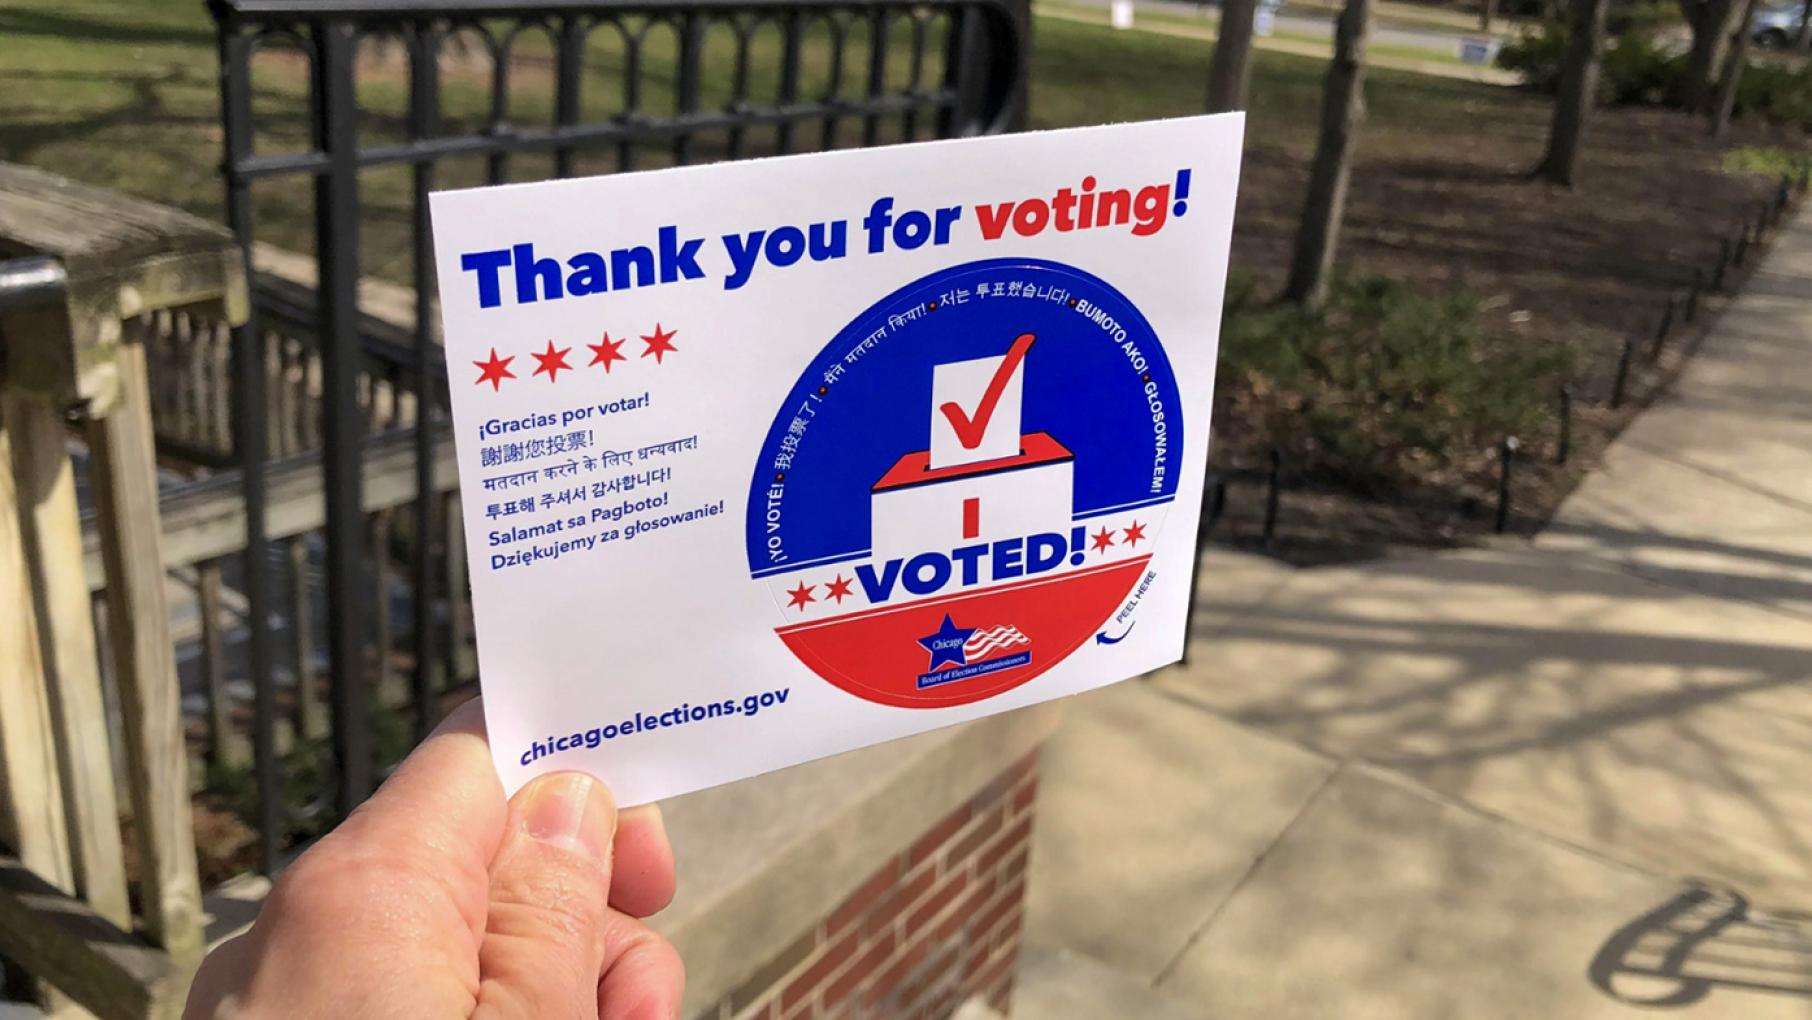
column 1232, row 66
column 1710, row 24
column 1020, row 118
column 1578, row 91
column 1725, row 103
column 1804, row 39
column 1342, row 111
column 1488, row 11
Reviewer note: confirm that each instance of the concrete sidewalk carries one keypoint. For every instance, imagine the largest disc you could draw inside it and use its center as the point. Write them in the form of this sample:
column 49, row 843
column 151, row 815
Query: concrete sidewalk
column 1567, row 778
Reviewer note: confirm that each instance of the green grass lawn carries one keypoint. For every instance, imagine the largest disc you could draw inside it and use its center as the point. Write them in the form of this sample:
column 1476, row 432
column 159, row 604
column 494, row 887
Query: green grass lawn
column 1088, row 75
column 123, row 93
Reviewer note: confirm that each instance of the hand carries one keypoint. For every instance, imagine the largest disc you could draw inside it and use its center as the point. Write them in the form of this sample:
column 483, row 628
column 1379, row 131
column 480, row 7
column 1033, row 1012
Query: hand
column 436, row 898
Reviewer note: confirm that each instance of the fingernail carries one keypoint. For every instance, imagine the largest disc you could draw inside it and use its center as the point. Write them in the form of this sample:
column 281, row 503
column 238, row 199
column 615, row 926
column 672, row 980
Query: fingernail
column 565, row 810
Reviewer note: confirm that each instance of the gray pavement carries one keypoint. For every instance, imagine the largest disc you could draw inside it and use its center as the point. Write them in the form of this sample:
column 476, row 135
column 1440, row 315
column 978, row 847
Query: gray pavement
column 1317, row 24
column 1562, row 778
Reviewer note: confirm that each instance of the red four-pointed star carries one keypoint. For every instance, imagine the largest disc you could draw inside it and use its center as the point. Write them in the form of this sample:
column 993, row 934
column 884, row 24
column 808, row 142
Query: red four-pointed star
column 660, row 343
column 801, row 595
column 838, row 589
column 1103, row 539
column 495, row 371
column 606, row 352
column 1134, row 533
column 551, row 361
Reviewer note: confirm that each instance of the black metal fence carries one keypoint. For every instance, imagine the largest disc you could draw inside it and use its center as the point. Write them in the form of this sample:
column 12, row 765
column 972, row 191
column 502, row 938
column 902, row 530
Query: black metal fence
column 327, row 409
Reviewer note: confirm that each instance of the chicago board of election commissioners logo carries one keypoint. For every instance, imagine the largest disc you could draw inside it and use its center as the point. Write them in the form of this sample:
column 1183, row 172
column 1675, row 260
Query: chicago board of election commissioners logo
column 966, row 482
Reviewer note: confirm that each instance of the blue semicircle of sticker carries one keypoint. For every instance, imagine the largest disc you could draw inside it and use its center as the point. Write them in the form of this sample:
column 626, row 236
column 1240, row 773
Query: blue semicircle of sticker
column 1096, row 378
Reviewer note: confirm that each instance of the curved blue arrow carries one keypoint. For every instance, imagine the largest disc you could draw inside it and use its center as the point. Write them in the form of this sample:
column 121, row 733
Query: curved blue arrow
column 1103, row 639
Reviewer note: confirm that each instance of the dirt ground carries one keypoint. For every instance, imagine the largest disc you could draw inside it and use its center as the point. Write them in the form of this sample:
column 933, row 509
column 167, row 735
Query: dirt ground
column 1587, row 268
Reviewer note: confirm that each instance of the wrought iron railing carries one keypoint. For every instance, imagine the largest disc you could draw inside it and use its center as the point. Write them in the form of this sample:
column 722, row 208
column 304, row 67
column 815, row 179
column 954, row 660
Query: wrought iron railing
column 375, row 104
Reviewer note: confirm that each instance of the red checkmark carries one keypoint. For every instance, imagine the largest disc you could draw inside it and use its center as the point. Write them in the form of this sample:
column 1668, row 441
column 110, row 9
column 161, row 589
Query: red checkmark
column 969, row 431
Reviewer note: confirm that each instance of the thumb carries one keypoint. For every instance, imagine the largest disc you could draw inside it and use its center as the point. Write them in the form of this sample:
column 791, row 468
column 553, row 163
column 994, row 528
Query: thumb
column 546, row 926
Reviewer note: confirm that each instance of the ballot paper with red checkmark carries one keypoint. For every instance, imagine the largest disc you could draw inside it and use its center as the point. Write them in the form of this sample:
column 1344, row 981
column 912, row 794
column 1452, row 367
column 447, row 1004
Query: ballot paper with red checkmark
column 765, row 461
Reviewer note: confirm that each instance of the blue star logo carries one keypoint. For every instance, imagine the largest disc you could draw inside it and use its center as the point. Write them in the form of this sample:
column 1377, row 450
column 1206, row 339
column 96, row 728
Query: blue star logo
column 947, row 644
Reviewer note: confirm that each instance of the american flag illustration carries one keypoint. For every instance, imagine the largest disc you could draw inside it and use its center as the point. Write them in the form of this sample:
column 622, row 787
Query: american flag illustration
column 991, row 639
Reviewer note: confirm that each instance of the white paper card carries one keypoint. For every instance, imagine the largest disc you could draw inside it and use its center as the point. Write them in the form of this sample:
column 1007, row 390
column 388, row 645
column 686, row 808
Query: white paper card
column 768, row 460
column 962, row 386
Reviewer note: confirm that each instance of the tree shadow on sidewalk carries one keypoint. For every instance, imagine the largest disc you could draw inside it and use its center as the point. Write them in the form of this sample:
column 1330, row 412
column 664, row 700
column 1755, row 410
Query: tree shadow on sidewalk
column 1651, row 723
column 1702, row 940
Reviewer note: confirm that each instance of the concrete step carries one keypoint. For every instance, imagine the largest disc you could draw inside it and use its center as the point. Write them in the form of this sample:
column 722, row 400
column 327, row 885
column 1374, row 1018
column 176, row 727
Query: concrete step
column 1058, row 984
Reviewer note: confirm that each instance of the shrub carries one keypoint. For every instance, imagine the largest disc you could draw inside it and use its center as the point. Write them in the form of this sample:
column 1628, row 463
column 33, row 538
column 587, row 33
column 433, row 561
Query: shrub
column 1382, row 383
column 1767, row 161
column 1636, row 69
column 1537, row 56
column 1779, row 92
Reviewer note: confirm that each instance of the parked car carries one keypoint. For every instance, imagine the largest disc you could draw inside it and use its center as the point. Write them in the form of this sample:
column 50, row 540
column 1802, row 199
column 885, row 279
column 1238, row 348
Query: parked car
column 1776, row 26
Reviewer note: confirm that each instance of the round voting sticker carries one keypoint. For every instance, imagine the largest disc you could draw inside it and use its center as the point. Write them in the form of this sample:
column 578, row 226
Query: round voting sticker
column 966, row 482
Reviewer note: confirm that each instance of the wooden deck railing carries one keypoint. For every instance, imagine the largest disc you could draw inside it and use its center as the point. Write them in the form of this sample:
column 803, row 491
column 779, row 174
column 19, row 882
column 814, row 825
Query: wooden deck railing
column 84, row 271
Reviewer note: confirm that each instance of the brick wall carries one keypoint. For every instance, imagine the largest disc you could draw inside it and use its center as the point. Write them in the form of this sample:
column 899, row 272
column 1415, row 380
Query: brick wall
column 933, row 925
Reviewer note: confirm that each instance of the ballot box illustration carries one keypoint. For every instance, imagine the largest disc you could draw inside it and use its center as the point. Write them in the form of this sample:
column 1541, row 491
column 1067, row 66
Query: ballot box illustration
column 979, row 480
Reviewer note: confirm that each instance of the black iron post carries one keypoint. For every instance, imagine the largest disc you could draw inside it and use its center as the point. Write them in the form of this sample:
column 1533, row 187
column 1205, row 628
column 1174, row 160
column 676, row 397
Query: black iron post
column 1623, row 372
column 569, row 58
column 1214, row 503
column 1741, row 251
column 424, row 123
column 686, row 88
column 1665, row 326
column 343, row 425
column 1271, row 498
column 250, row 439
column 1506, row 456
column 1692, row 295
column 1563, row 449
column 1722, row 269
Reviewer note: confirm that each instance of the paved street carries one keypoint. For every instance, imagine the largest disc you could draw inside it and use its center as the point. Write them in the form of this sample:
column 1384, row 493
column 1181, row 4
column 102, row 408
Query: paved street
column 1566, row 778
column 1308, row 21
column 1418, row 49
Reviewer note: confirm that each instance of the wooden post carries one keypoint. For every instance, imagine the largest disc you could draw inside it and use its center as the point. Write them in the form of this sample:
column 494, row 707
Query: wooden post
column 157, row 764
column 114, row 973
column 33, row 818
column 201, row 386
column 32, row 815
column 223, row 748
column 53, row 541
